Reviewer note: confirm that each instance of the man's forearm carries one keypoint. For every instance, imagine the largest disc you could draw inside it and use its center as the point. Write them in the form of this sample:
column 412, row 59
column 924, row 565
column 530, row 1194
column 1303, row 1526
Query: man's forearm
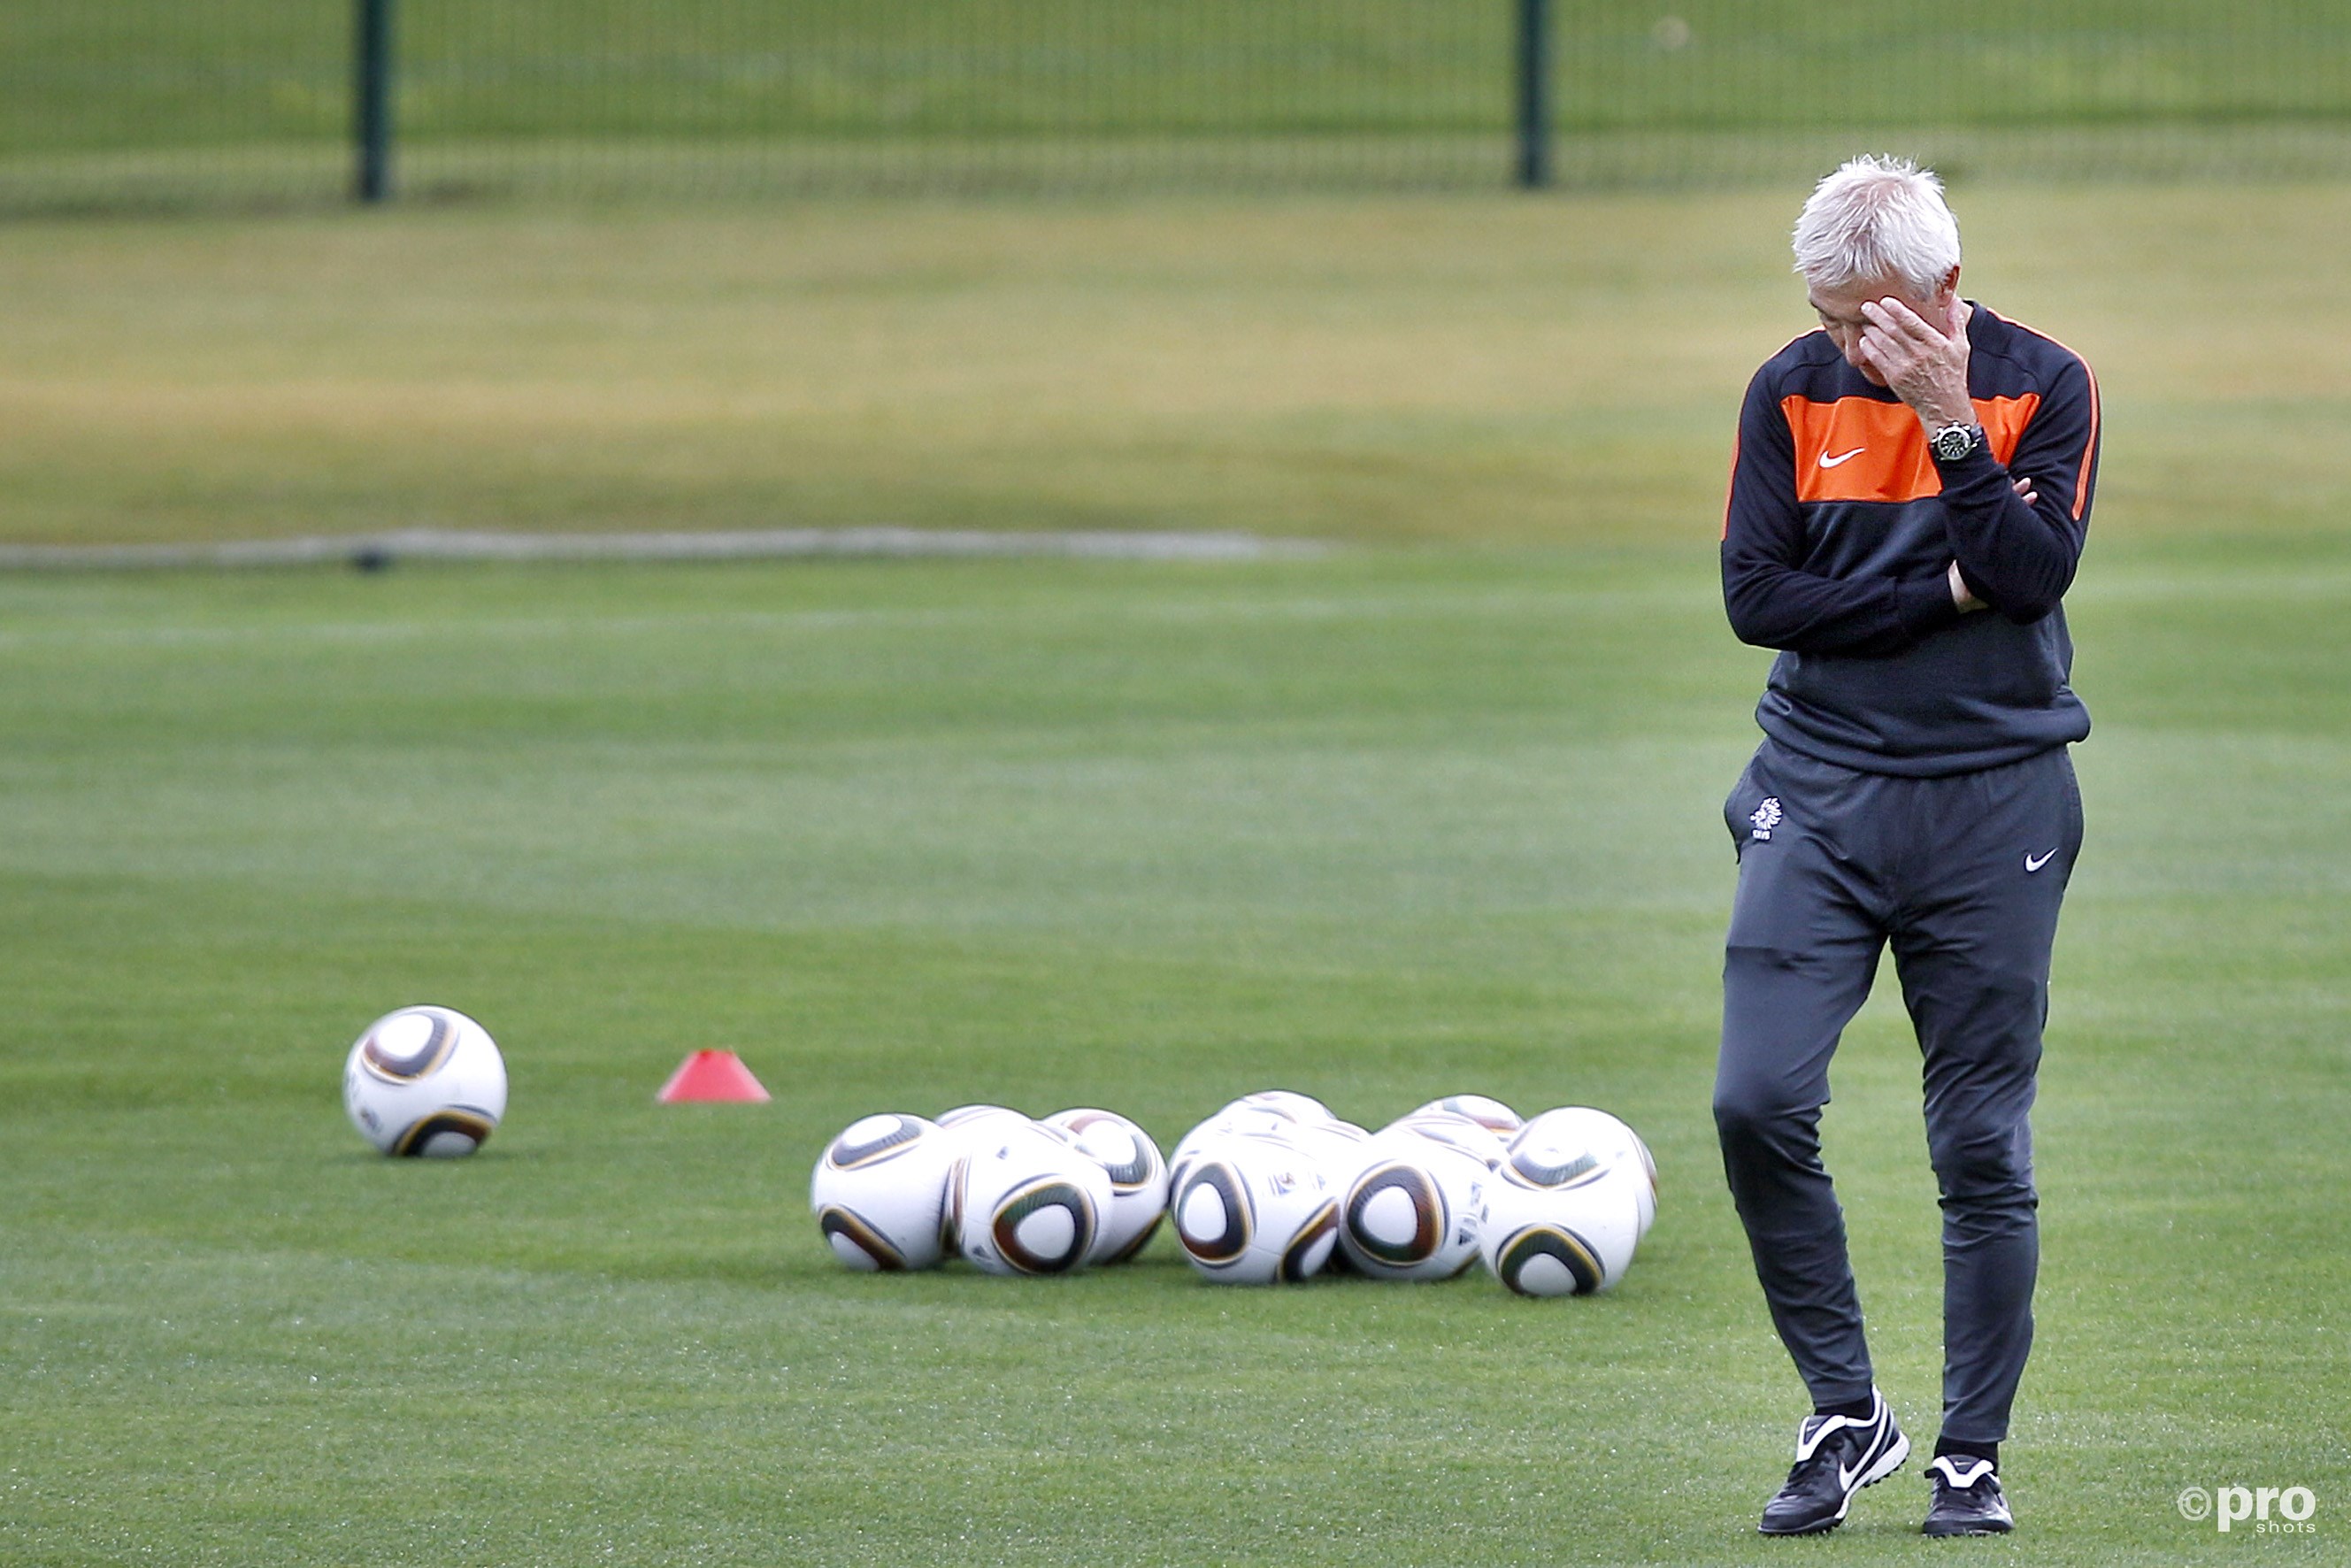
column 2011, row 556
column 1775, row 606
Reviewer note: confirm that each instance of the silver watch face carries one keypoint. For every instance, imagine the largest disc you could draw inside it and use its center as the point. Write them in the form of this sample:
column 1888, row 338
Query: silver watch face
column 1955, row 442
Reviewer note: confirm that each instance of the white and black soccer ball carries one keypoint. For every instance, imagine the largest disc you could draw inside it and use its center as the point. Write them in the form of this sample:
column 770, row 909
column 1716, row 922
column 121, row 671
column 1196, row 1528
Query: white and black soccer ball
column 1341, row 1147
column 1263, row 1120
column 1411, row 1212
column 1024, row 1198
column 1138, row 1179
column 878, row 1191
column 1564, row 1215
column 1454, row 1130
column 1610, row 1140
column 425, row 1081
column 1483, row 1109
column 1287, row 1103
column 1256, row 1210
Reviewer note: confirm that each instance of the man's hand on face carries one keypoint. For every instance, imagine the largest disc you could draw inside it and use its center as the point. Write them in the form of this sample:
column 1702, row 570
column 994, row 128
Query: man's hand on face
column 1926, row 366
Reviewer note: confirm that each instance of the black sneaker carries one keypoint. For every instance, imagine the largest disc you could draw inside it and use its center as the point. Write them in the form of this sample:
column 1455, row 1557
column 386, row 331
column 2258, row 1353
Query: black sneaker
column 1968, row 1499
column 1836, row 1456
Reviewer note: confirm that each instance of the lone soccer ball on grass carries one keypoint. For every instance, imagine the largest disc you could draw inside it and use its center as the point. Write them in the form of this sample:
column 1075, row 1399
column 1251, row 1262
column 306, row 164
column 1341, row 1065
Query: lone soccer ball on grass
column 426, row 1081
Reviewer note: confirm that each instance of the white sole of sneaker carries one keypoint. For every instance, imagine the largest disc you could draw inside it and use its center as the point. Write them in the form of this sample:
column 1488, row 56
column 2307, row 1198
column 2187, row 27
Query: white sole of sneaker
column 1890, row 1461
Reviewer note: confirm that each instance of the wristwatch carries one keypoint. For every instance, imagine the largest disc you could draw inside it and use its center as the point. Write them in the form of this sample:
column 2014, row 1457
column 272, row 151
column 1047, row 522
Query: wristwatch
column 1953, row 442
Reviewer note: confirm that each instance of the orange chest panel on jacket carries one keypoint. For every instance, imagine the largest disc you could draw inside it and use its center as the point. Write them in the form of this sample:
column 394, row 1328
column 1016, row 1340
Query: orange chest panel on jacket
column 1859, row 449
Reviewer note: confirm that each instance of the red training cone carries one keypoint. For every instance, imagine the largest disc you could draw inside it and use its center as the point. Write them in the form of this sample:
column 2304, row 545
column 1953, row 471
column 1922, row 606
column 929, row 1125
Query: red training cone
column 712, row 1075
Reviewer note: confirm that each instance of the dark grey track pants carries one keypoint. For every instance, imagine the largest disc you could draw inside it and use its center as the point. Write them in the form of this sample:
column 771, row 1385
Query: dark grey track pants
column 1963, row 875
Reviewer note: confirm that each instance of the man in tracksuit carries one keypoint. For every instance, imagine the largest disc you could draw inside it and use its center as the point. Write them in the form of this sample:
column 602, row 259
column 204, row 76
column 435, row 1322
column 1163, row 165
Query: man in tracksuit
column 1909, row 499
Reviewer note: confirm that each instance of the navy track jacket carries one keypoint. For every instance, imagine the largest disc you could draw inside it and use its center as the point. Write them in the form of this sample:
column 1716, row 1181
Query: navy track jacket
column 1841, row 526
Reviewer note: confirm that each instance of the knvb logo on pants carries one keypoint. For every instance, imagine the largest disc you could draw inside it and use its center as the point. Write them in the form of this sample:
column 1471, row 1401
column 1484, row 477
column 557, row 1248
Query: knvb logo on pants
column 2269, row 1511
column 1766, row 816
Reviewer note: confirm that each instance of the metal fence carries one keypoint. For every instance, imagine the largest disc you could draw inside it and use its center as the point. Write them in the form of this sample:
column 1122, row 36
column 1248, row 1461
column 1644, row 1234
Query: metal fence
column 122, row 103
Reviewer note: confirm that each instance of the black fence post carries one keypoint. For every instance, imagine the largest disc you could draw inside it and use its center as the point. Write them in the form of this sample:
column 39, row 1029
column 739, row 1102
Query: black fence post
column 1534, row 94
column 371, row 101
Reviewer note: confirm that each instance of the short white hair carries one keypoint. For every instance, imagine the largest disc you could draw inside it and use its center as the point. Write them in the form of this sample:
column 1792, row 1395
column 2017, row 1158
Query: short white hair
column 1877, row 218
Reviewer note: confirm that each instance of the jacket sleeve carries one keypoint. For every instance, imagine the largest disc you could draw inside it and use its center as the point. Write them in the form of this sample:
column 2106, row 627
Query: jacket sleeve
column 2020, row 558
column 1772, row 600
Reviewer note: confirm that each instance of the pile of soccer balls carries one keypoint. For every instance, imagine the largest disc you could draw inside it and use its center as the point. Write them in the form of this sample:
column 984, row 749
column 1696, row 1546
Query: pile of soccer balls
column 1272, row 1189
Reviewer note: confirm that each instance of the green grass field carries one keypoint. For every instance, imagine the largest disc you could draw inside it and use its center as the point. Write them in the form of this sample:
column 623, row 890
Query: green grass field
column 1439, row 810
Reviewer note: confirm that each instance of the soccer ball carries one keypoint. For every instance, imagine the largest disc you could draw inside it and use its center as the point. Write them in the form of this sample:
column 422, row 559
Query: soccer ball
column 1300, row 1108
column 878, row 1191
column 1562, row 1218
column 1259, row 1120
column 1138, row 1179
column 1279, row 1111
column 1487, row 1111
column 1255, row 1209
column 425, row 1081
column 1025, row 1198
column 1455, row 1131
column 1610, row 1141
column 1571, row 1240
column 1412, row 1212
column 962, row 1114
column 1340, row 1146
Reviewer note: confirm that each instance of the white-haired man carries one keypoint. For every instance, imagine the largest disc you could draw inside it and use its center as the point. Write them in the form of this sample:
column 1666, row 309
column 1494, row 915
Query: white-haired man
column 1909, row 499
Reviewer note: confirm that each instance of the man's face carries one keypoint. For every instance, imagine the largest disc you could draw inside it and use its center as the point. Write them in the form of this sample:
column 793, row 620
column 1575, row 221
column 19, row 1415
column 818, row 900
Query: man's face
column 1840, row 313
